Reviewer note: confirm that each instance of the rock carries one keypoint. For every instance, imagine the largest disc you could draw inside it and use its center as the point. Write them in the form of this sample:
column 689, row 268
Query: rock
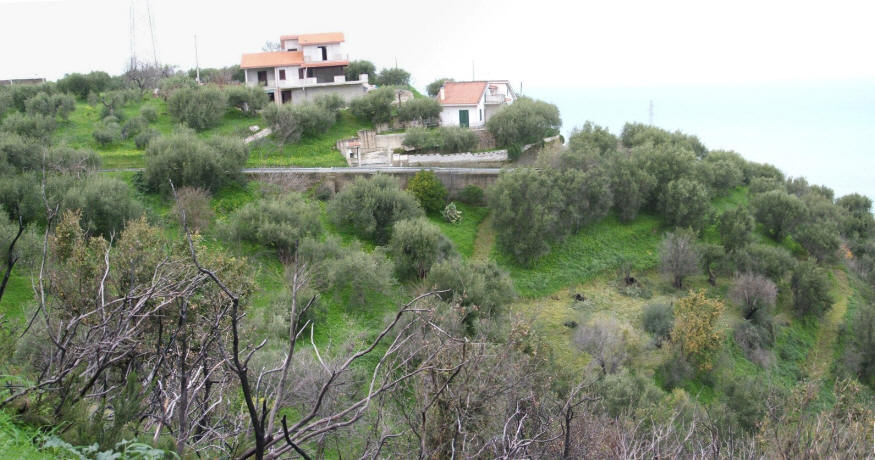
column 254, row 128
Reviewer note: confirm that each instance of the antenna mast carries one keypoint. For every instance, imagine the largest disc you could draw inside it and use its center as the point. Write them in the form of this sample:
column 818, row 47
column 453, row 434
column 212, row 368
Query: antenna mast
column 152, row 32
column 196, row 63
column 133, row 33
column 650, row 112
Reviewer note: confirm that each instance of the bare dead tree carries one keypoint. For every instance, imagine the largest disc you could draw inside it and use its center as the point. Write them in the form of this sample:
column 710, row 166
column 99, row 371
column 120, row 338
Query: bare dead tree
column 11, row 257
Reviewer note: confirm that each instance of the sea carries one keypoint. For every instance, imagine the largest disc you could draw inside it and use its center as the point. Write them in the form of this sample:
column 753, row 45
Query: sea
column 823, row 131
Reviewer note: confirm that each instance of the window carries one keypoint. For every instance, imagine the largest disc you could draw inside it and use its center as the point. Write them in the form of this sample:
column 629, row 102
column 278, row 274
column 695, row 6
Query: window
column 282, row 74
column 301, row 73
column 481, row 114
column 262, row 77
column 324, row 50
column 292, row 49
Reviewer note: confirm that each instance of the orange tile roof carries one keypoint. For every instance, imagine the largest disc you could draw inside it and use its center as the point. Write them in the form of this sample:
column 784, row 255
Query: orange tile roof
column 315, row 39
column 271, row 59
column 462, row 92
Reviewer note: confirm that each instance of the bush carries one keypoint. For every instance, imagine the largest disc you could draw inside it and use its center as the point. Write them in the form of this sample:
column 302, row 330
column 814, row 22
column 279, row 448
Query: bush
column 198, row 108
column 472, row 195
column 149, row 113
column 779, row 212
column 190, row 161
column 370, row 207
column 457, row 139
column 736, row 228
column 134, row 126
column 722, row 171
column 107, row 132
column 452, row 214
column 607, row 341
column 755, row 294
column 860, row 355
column 424, row 111
column 331, row 102
column 393, row 77
column 658, row 320
column 639, row 134
column 33, row 126
column 586, row 198
column 770, row 261
column 479, row 285
column 291, row 122
column 248, row 99
column 666, row 162
column 434, row 88
column 679, row 257
column 105, row 202
column 755, row 339
column 359, row 278
column 428, row 190
column 810, row 285
column 195, row 203
column 685, row 203
column 593, row 140
column 632, row 186
column 416, row 245
column 375, row 106
column 356, row 68
column 820, row 238
column 69, row 160
column 50, row 105
column 19, row 152
column 695, row 334
column 422, row 139
column 526, row 121
column 80, row 85
column 143, row 139
column 278, row 223
column 766, row 184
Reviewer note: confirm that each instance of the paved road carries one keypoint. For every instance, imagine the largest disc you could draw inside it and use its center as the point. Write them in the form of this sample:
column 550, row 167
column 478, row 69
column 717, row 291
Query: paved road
column 349, row 170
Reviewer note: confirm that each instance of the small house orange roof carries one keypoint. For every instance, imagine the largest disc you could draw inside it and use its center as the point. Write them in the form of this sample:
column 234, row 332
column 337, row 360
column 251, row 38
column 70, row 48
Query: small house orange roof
column 271, row 59
column 315, row 39
column 462, row 92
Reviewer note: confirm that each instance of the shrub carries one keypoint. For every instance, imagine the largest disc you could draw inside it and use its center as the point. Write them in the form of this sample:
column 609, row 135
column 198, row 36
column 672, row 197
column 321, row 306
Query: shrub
column 149, row 113
column 143, row 139
column 658, row 320
column 592, row 139
column 278, row 223
column 313, row 119
column 685, row 203
column 695, row 333
column 434, row 88
column 755, row 339
column 472, row 195
column 134, row 126
column 359, row 278
column 859, row 357
column 586, row 197
column 290, row 122
column 773, row 262
column 416, row 245
column 422, row 139
column 607, row 341
column 331, row 102
column 80, row 85
column 370, row 207
column 452, row 214
column 679, row 257
column 248, row 99
column 755, row 294
column 632, row 186
column 69, row 160
column 479, row 285
column 198, row 108
column 105, row 202
column 190, row 161
column 19, row 152
column 375, row 106
column 457, row 139
column 50, row 105
column 766, row 184
column 34, row 126
column 393, row 77
column 639, row 134
column 722, row 171
column 779, row 212
column 666, row 162
column 356, row 68
column 525, row 121
column 195, row 203
column 820, row 238
column 422, row 110
column 736, row 228
column 810, row 285
column 107, row 132
column 428, row 190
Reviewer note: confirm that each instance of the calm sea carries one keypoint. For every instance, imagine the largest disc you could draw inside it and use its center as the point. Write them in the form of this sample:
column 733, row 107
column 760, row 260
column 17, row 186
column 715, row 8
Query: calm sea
column 824, row 132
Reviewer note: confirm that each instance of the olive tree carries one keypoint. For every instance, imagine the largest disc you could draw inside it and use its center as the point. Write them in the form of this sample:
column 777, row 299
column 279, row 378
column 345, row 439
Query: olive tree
column 736, row 228
column 810, row 285
column 248, row 99
column 434, row 88
column 199, row 108
column 685, row 203
column 525, row 121
column 481, row 286
column 188, row 160
column 754, row 293
column 416, row 245
column 607, row 341
column 393, row 77
column 420, row 110
column 279, row 223
column 375, row 106
column 356, row 68
column 105, row 204
column 679, row 256
column 632, row 186
column 370, row 207
column 779, row 212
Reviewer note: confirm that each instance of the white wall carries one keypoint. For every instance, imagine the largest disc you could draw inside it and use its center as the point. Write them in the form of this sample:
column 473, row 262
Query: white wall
column 334, row 51
column 450, row 115
column 252, row 76
column 290, row 45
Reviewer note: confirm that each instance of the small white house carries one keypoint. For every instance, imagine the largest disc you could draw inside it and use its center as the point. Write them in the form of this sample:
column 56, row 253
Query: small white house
column 307, row 65
column 472, row 103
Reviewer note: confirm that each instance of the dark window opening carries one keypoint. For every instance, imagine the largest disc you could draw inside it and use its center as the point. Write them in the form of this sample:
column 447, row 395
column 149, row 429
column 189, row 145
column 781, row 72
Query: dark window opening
column 301, row 73
column 481, row 114
column 324, row 52
column 286, row 96
column 262, row 77
column 270, row 97
column 292, row 49
column 282, row 74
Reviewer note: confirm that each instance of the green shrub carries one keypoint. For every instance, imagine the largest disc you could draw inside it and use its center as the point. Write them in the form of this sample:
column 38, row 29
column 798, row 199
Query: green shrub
column 639, row 134
column 356, row 68
column 142, row 139
column 248, row 99
column 434, row 88
column 370, row 207
column 81, row 85
column 736, row 228
column 592, row 139
column 291, row 122
column 34, row 126
column 810, row 285
column 50, row 105
column 134, row 126
column 393, row 77
column 679, row 256
column 358, row 278
column 331, row 102
column 525, row 121
column 859, row 357
column 375, row 106
column 765, row 184
column 472, row 195
column 19, row 152
column 479, row 285
column 149, row 113
column 632, row 186
column 195, row 204
column 105, row 202
column 199, row 108
column 422, row 110
column 428, row 190
column 771, row 261
column 450, row 139
column 66, row 159
column 190, row 161
column 685, row 203
column 107, row 132
column 755, row 339
column 416, row 245
column 658, row 319
column 451, row 213
column 779, row 212
column 278, row 223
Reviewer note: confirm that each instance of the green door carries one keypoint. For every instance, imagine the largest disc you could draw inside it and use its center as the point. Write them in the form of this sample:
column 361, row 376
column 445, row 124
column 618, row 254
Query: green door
column 463, row 118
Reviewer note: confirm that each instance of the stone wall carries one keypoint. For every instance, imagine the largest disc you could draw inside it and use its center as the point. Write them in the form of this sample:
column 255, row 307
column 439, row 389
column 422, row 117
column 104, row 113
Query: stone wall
column 336, row 179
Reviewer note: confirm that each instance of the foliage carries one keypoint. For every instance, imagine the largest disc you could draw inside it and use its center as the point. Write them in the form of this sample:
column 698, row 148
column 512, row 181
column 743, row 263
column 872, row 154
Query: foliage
column 779, row 212
column 639, row 134
column 291, row 122
column 696, row 334
column 859, row 220
column 187, row 160
column 811, row 289
column 721, row 170
column 108, row 132
column 587, row 198
column 370, row 207
column 359, row 278
column 392, row 77
column 755, row 294
column 375, row 106
column 736, row 228
column 422, row 110
column 446, row 139
column 451, row 213
column 34, row 126
column 278, row 223
column 679, row 256
column 416, row 245
column 18, row 152
column 480, row 286
column 199, row 108
column 142, row 140
column 755, row 338
column 658, row 319
column 632, row 186
column 685, row 203
column 820, row 238
column 356, row 68
column 472, row 195
column 134, row 126
column 248, row 99
column 772, row 261
column 434, row 88
column 428, row 190
column 860, row 355
column 667, row 163
column 50, row 105
column 525, row 121
column 607, row 341
column 80, row 85
column 105, row 204
column 195, row 204
column 331, row 102
column 592, row 139
column 149, row 113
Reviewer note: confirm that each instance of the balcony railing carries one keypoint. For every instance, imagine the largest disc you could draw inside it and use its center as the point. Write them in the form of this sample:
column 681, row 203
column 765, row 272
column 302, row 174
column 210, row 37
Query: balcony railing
column 495, row 98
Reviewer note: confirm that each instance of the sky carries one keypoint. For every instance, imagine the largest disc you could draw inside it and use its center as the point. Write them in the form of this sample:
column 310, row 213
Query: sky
column 538, row 43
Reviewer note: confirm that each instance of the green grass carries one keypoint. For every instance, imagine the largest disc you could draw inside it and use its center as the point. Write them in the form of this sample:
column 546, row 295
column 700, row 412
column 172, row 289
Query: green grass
column 317, row 151
column 18, row 441
column 17, row 297
column 594, row 250
column 463, row 234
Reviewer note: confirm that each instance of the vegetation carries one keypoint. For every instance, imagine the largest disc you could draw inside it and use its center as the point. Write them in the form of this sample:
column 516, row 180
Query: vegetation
column 375, row 106
column 393, row 77
column 370, row 207
column 428, row 190
column 356, row 68
column 526, row 121
column 186, row 160
column 434, row 87
column 198, row 108
column 416, row 245
column 450, row 139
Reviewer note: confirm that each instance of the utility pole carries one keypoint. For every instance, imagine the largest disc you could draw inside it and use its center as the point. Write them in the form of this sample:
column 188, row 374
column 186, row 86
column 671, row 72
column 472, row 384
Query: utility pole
column 650, row 112
column 196, row 62
column 133, row 37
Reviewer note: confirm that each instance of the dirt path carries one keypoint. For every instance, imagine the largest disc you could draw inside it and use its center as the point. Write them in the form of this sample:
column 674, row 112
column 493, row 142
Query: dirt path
column 821, row 356
column 485, row 239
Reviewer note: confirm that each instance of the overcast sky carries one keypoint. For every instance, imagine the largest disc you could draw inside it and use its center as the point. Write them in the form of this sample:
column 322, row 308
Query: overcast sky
column 541, row 43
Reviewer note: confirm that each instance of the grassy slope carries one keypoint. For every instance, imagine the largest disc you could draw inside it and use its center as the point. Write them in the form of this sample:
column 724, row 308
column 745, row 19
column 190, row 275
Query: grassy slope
column 463, row 234
column 315, row 151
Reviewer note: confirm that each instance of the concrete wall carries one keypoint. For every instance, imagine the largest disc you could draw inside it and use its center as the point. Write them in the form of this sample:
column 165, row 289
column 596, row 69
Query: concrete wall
column 348, row 91
column 454, row 180
column 333, row 50
column 450, row 115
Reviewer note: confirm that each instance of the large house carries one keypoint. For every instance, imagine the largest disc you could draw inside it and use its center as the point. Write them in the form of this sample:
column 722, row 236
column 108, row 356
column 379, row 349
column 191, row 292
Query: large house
column 472, row 103
column 306, row 66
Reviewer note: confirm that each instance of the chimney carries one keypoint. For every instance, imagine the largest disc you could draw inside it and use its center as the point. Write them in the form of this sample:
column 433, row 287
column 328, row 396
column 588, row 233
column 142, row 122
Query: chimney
column 442, row 93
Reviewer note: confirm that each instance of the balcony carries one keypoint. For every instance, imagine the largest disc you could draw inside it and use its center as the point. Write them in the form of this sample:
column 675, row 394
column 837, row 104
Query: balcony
column 495, row 99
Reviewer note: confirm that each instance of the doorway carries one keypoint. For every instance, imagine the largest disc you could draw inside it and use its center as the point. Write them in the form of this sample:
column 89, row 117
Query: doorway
column 463, row 118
